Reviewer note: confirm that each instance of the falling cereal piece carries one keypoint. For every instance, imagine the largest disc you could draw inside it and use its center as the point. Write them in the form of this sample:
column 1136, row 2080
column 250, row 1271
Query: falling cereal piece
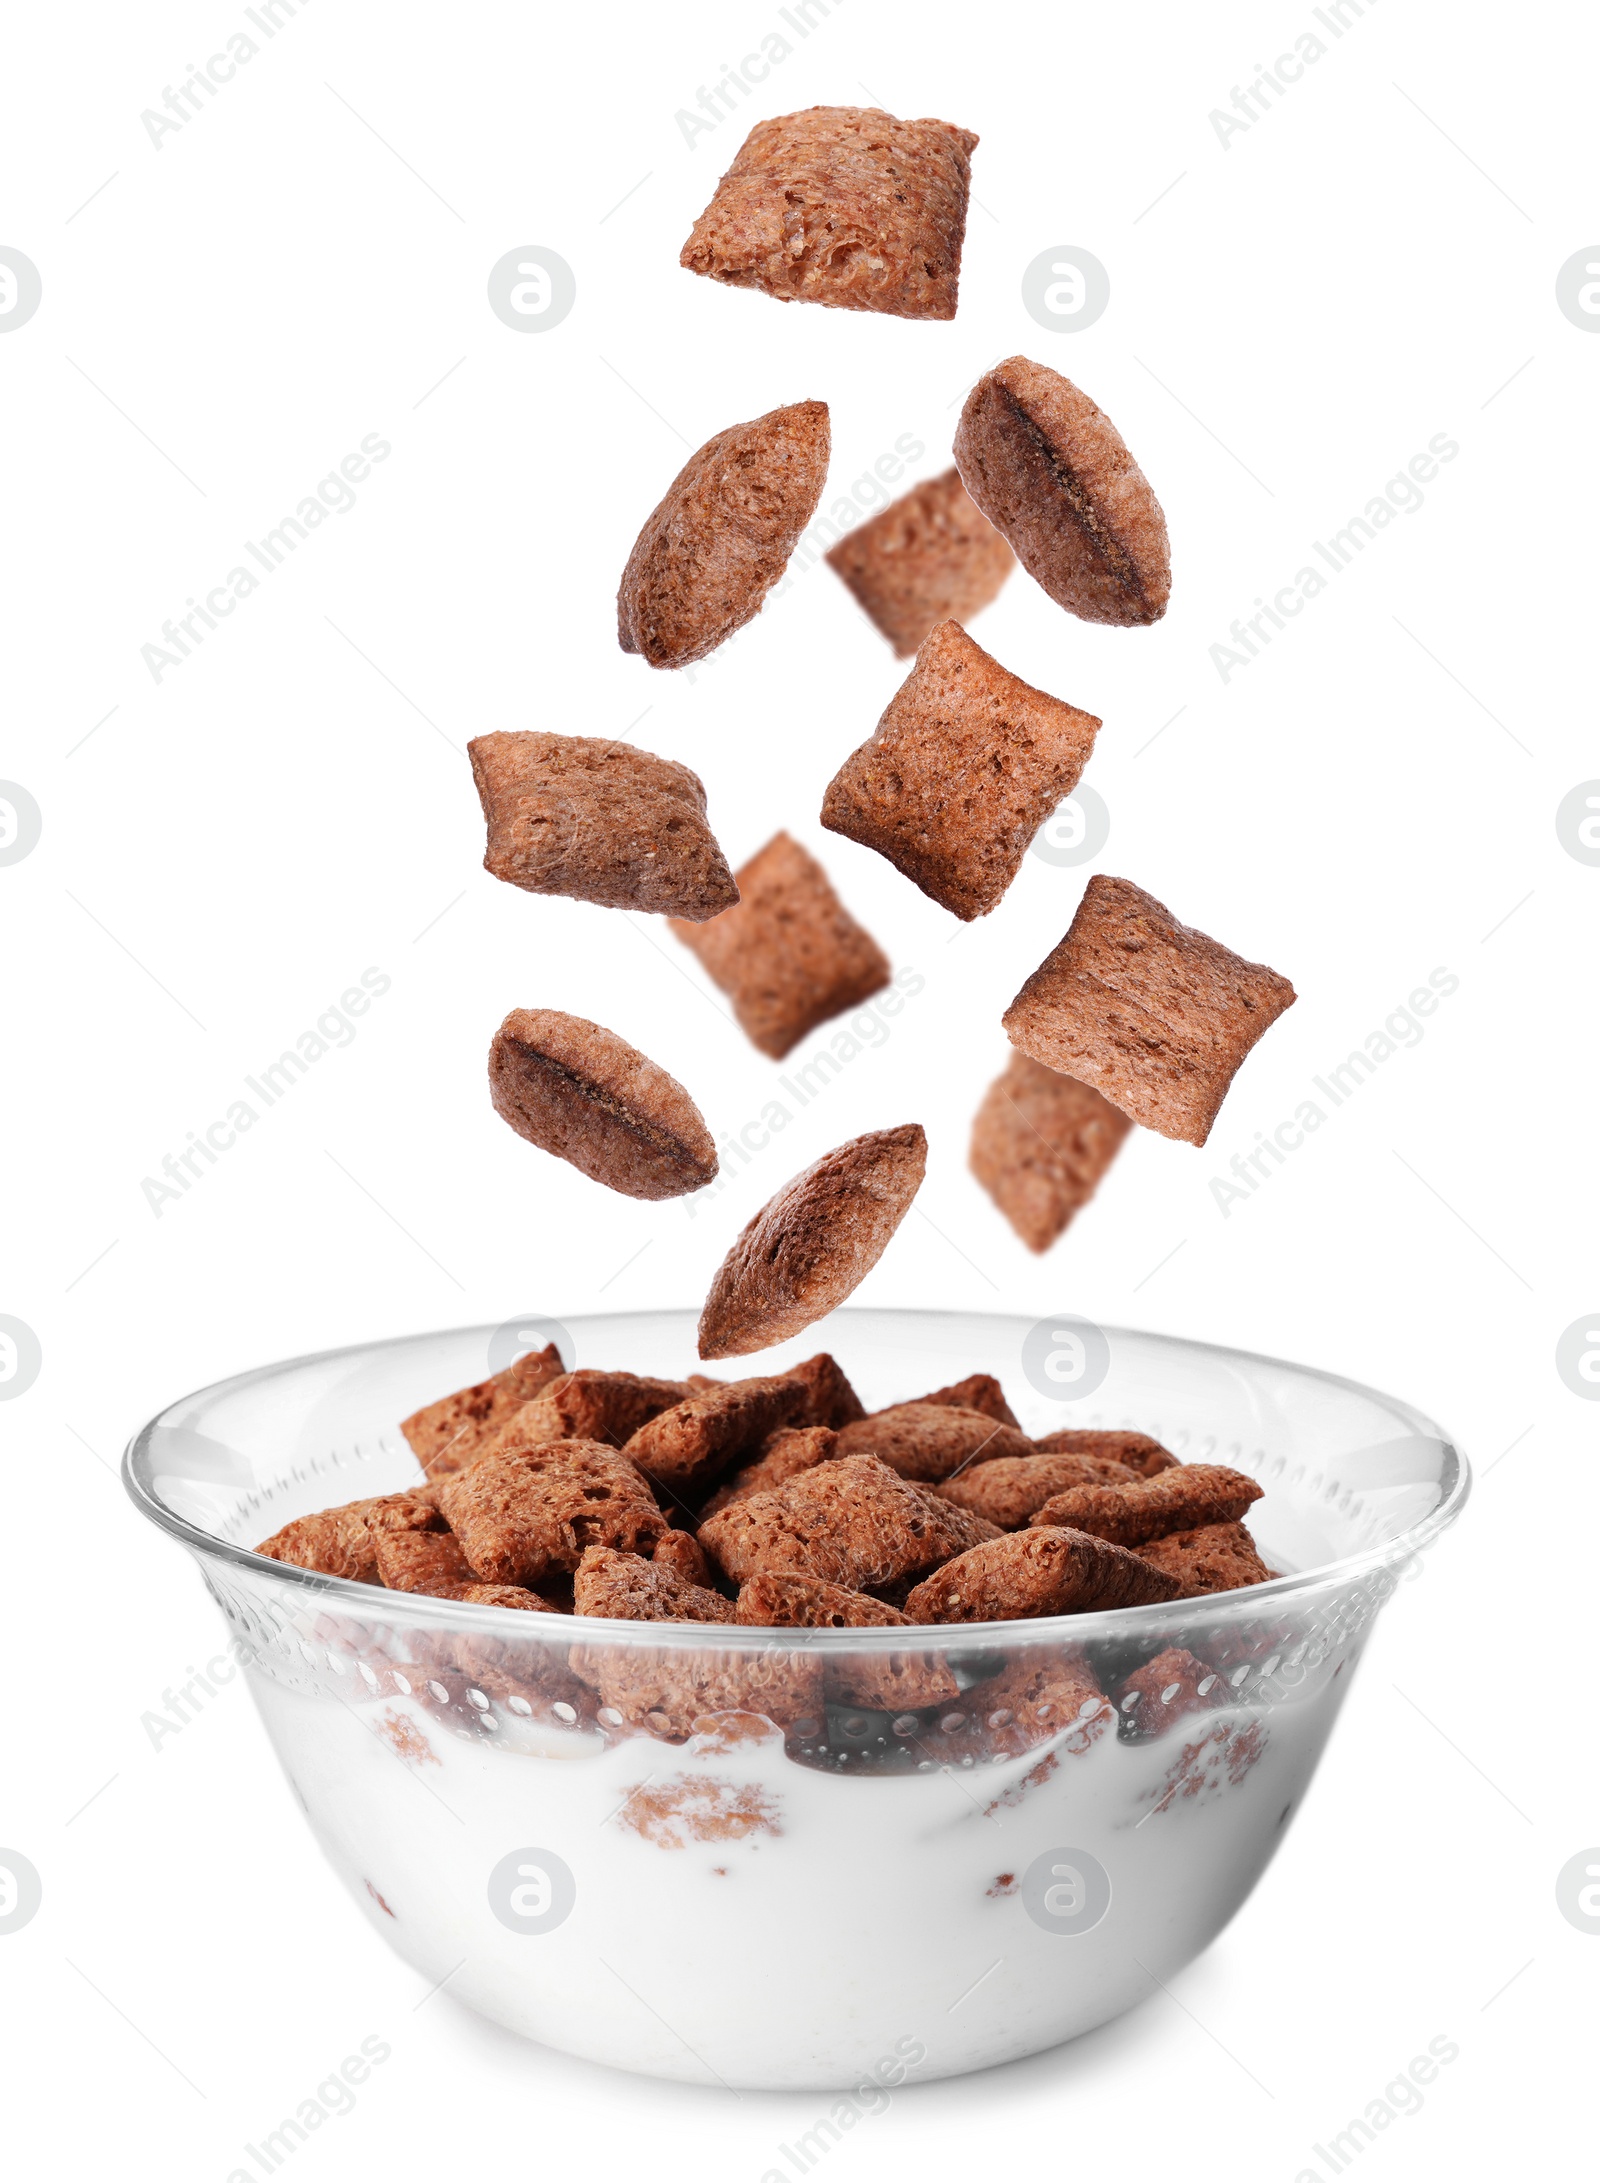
column 598, row 820
column 789, row 955
column 930, row 556
column 813, row 1243
column 842, row 205
column 1040, row 1144
column 1055, row 478
column 960, row 773
column 722, row 535
column 1157, row 1017
column 577, row 1090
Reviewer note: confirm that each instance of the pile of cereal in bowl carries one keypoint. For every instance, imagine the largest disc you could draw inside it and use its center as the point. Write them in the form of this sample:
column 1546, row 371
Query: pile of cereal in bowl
column 778, row 1502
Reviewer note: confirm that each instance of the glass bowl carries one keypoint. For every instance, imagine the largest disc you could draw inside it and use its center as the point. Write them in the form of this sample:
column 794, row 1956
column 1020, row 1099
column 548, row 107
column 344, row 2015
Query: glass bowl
column 863, row 1863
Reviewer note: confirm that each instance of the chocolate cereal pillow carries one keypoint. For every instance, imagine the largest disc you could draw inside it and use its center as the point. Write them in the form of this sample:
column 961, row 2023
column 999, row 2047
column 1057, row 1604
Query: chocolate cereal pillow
column 842, row 205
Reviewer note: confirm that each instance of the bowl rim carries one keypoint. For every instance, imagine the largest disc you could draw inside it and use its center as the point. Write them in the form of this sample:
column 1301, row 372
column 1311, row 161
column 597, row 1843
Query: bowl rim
column 1456, row 1486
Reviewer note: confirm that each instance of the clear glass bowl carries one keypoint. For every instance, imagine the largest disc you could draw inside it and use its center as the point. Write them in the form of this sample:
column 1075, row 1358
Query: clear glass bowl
column 806, row 1890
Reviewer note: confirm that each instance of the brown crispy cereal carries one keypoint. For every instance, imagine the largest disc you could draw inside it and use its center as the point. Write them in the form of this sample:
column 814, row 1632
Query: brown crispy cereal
column 830, row 1398
column 1220, row 1557
column 511, row 1595
column 894, row 1682
column 521, row 1513
column 844, row 205
column 960, row 773
column 930, row 556
column 928, row 1441
column 420, row 1561
column 1182, row 1499
column 336, row 1542
column 575, row 1089
column 1055, row 478
column 413, row 1508
column 1153, row 1014
column 444, row 1434
column 978, row 1391
column 669, row 1691
column 588, row 1405
column 1040, row 1693
column 1134, row 1451
column 771, row 1600
column 1014, row 1576
column 784, row 1455
column 1008, row 1491
column 620, row 1585
column 682, row 1553
column 851, row 1522
column 1040, row 1144
column 814, row 1242
column 342, row 1542
column 1166, row 1688
column 789, row 955
column 683, row 1450
column 722, row 535
column 585, row 816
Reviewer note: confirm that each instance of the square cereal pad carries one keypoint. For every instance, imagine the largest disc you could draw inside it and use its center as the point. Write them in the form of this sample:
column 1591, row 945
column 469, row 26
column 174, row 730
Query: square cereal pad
column 931, row 556
column 1154, row 1015
column 843, row 205
column 1040, row 1144
column 963, row 769
column 586, row 816
column 789, row 955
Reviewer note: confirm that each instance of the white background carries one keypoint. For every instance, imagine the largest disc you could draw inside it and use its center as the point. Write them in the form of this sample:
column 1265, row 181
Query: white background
column 1292, row 317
